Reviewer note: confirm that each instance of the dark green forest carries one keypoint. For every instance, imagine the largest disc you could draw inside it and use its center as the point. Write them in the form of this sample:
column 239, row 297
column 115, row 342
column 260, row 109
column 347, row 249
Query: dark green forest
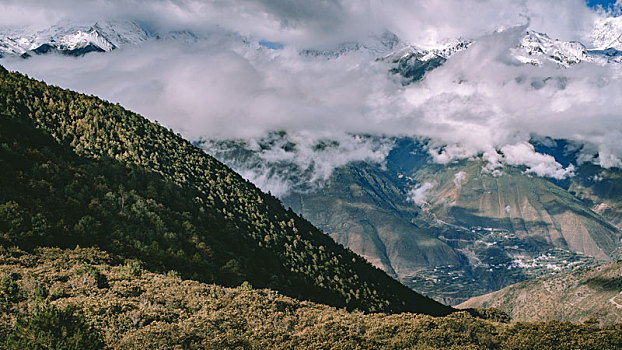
column 78, row 170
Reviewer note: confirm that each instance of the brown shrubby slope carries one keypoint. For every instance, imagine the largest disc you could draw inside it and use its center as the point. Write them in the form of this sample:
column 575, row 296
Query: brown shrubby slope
column 134, row 308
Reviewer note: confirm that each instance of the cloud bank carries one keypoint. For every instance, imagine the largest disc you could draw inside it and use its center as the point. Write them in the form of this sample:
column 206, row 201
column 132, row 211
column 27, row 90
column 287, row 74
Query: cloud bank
column 226, row 85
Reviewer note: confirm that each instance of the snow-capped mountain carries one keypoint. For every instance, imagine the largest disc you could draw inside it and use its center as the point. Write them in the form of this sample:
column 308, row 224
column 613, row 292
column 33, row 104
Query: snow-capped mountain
column 71, row 39
column 407, row 60
column 412, row 62
column 535, row 48
column 607, row 34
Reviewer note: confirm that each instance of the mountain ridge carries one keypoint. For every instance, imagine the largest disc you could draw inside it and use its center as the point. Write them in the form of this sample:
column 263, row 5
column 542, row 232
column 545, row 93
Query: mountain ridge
column 98, row 131
column 72, row 39
column 409, row 60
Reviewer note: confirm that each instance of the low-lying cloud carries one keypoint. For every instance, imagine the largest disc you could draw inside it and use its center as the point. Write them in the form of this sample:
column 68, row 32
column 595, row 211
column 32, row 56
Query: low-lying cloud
column 299, row 161
column 420, row 193
column 225, row 85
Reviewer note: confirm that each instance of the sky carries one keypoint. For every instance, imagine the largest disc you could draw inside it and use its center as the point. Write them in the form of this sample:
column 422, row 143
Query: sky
column 244, row 75
column 602, row 3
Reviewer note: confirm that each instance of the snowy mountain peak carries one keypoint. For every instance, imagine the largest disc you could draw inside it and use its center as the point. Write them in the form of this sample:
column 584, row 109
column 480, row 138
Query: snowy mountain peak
column 82, row 39
column 443, row 51
column 536, row 48
column 412, row 62
column 607, row 34
column 71, row 39
column 409, row 61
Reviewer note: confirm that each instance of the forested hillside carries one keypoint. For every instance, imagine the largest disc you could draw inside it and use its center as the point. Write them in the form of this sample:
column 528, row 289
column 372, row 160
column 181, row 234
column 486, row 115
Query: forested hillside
column 77, row 170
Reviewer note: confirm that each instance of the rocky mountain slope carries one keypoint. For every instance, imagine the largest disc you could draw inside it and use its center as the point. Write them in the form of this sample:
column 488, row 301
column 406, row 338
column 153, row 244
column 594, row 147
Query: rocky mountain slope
column 601, row 189
column 532, row 208
column 365, row 209
column 449, row 231
column 535, row 47
column 607, row 34
column 594, row 292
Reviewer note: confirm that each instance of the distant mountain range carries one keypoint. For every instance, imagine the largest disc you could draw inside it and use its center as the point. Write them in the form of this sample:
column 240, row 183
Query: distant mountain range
column 408, row 59
column 451, row 231
column 69, row 39
column 79, row 39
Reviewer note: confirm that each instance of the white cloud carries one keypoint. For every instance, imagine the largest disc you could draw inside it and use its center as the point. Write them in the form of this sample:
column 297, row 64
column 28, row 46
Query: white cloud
column 267, row 181
column 284, row 161
column 420, row 193
column 524, row 154
column 459, row 179
column 320, row 23
column 480, row 103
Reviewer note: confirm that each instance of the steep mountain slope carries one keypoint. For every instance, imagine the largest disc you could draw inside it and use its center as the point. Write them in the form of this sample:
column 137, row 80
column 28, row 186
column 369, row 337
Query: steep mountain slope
column 530, row 207
column 601, row 189
column 510, row 227
column 449, row 231
column 89, row 160
column 365, row 209
column 412, row 63
column 131, row 307
column 514, row 226
column 607, row 34
column 594, row 292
